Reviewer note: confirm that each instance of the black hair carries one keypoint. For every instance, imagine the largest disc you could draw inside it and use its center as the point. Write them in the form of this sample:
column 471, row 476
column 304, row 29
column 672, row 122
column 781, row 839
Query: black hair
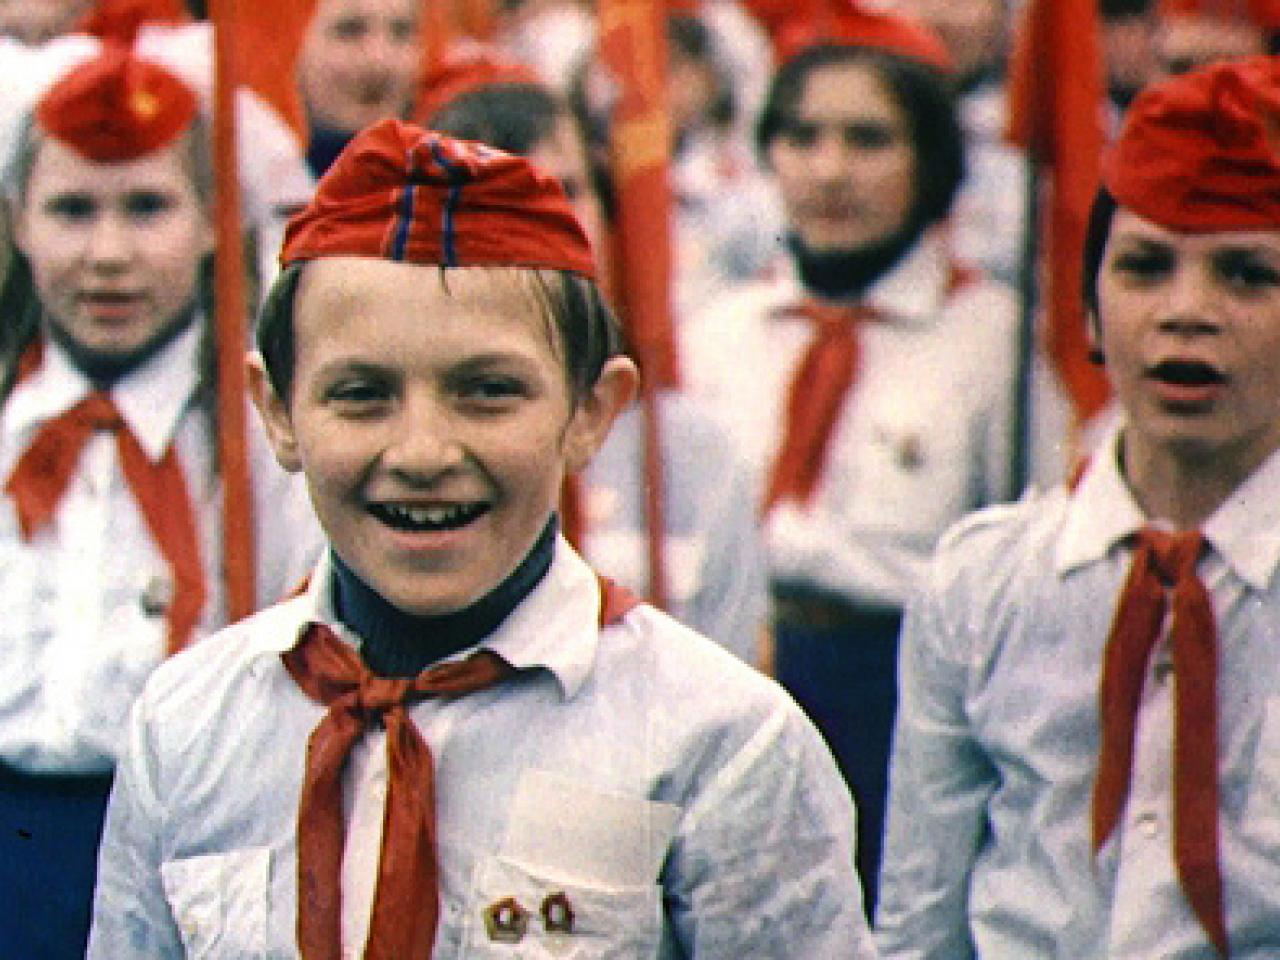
column 923, row 93
column 587, row 327
column 693, row 38
column 1098, row 229
column 515, row 117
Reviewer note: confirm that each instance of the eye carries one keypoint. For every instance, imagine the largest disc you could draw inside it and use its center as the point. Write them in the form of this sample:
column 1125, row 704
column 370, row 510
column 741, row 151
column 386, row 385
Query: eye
column 145, row 204
column 869, row 136
column 348, row 28
column 493, row 389
column 404, row 30
column 1143, row 263
column 1245, row 270
column 800, row 135
column 70, row 207
column 358, row 396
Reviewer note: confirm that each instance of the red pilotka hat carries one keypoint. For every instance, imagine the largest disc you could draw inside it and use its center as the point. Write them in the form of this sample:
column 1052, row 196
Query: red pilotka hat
column 401, row 192
column 465, row 69
column 1201, row 151
column 117, row 107
column 845, row 23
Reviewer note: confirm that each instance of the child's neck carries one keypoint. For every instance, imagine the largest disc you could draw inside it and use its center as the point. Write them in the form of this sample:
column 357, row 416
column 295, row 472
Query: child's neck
column 399, row 644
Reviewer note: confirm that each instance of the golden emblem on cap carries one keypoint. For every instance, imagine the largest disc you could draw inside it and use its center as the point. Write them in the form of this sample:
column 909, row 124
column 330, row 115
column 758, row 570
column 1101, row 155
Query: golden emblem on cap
column 144, row 104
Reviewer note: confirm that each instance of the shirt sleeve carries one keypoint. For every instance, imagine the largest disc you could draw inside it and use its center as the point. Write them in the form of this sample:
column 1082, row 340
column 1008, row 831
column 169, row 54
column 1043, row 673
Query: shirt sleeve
column 940, row 783
column 131, row 917
column 762, row 865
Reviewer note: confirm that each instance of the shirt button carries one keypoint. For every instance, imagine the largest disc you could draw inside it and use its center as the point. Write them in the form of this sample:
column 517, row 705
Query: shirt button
column 1148, row 823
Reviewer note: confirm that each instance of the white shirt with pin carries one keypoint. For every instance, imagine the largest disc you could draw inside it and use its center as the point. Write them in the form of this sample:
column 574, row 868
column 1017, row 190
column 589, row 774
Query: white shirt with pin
column 85, row 600
column 925, row 435
column 634, row 792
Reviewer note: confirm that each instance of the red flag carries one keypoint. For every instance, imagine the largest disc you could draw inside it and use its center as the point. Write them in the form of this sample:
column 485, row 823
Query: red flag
column 633, row 50
column 1056, row 90
column 268, row 41
column 231, row 306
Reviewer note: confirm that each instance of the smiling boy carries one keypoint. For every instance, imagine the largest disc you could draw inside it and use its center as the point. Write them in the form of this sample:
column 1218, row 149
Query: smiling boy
column 458, row 741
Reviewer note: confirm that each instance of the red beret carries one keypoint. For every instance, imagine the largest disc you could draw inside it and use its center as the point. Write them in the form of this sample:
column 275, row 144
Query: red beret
column 466, row 69
column 1199, row 151
column 844, row 23
column 116, row 107
column 400, row 192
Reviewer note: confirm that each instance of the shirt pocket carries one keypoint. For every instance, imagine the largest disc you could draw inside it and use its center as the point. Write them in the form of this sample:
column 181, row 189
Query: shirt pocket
column 518, row 910
column 219, row 902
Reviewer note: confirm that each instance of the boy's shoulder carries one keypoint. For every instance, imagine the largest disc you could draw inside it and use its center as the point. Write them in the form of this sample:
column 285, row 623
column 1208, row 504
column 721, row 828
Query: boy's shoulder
column 1003, row 543
column 209, row 669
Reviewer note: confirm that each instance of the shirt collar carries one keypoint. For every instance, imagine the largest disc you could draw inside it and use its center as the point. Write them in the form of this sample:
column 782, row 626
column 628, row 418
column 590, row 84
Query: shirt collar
column 555, row 628
column 152, row 399
column 1103, row 512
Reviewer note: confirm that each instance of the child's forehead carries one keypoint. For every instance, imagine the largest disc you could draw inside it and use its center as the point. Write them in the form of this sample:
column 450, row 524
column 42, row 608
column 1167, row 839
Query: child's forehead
column 367, row 298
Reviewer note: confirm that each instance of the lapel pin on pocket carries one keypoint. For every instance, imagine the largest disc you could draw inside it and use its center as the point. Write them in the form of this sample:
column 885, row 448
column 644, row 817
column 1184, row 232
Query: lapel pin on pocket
column 506, row 921
column 557, row 913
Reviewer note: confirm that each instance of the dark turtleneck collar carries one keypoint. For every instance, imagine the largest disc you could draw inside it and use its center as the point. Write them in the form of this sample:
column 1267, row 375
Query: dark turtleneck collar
column 399, row 644
column 845, row 274
column 324, row 145
column 105, row 369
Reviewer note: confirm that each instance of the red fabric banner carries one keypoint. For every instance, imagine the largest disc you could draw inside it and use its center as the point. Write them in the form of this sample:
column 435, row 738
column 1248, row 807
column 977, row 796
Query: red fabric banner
column 1056, row 90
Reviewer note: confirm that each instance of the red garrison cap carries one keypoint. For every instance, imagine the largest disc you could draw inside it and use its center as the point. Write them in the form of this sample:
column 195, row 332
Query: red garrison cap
column 1264, row 13
column 467, row 68
column 116, row 107
column 1200, row 151
column 844, row 23
column 400, row 192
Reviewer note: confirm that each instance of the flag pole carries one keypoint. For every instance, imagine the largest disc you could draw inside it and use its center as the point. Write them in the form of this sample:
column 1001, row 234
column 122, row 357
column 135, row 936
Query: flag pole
column 633, row 49
column 230, row 325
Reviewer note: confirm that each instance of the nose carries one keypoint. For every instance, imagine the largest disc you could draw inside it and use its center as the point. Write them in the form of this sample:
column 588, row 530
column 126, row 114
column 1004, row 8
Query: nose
column 423, row 443
column 1188, row 306
column 109, row 243
column 829, row 158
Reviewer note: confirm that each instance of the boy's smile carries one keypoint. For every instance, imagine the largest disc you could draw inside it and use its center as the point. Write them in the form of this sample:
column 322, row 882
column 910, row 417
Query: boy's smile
column 433, row 417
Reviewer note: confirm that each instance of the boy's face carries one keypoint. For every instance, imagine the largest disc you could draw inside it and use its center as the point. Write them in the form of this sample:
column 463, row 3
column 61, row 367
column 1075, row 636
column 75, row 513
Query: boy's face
column 1190, row 327
column 115, row 249
column 359, row 61
column 845, row 164
column 434, row 421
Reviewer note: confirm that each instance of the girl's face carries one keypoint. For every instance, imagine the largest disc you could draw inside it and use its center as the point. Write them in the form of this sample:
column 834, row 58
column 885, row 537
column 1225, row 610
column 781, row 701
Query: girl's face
column 35, row 21
column 115, row 249
column 360, row 60
column 434, row 420
column 1190, row 328
column 844, row 162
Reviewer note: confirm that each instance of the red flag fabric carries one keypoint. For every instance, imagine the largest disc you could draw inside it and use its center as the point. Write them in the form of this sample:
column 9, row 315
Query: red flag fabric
column 1056, row 94
column 268, row 38
column 633, row 49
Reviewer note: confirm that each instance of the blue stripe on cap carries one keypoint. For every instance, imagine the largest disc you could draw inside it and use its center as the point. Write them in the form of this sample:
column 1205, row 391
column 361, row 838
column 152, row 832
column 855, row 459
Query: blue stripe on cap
column 457, row 177
column 401, row 239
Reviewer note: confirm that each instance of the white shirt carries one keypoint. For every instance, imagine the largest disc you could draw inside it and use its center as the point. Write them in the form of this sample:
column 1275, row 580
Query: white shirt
column 79, row 635
column 924, row 436
column 713, row 551
column 677, row 797
column 989, row 851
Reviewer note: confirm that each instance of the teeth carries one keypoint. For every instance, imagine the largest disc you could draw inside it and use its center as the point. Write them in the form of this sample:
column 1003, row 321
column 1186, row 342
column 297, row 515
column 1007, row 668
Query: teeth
column 425, row 518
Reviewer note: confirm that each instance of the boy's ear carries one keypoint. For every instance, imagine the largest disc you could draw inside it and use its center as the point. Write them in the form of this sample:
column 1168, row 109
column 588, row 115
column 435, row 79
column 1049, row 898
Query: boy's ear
column 274, row 412
column 613, row 390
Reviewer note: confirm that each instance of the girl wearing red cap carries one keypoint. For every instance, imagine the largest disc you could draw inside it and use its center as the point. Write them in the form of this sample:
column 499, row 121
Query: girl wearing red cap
column 458, row 741
column 1085, row 763
column 109, row 523
column 870, row 374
